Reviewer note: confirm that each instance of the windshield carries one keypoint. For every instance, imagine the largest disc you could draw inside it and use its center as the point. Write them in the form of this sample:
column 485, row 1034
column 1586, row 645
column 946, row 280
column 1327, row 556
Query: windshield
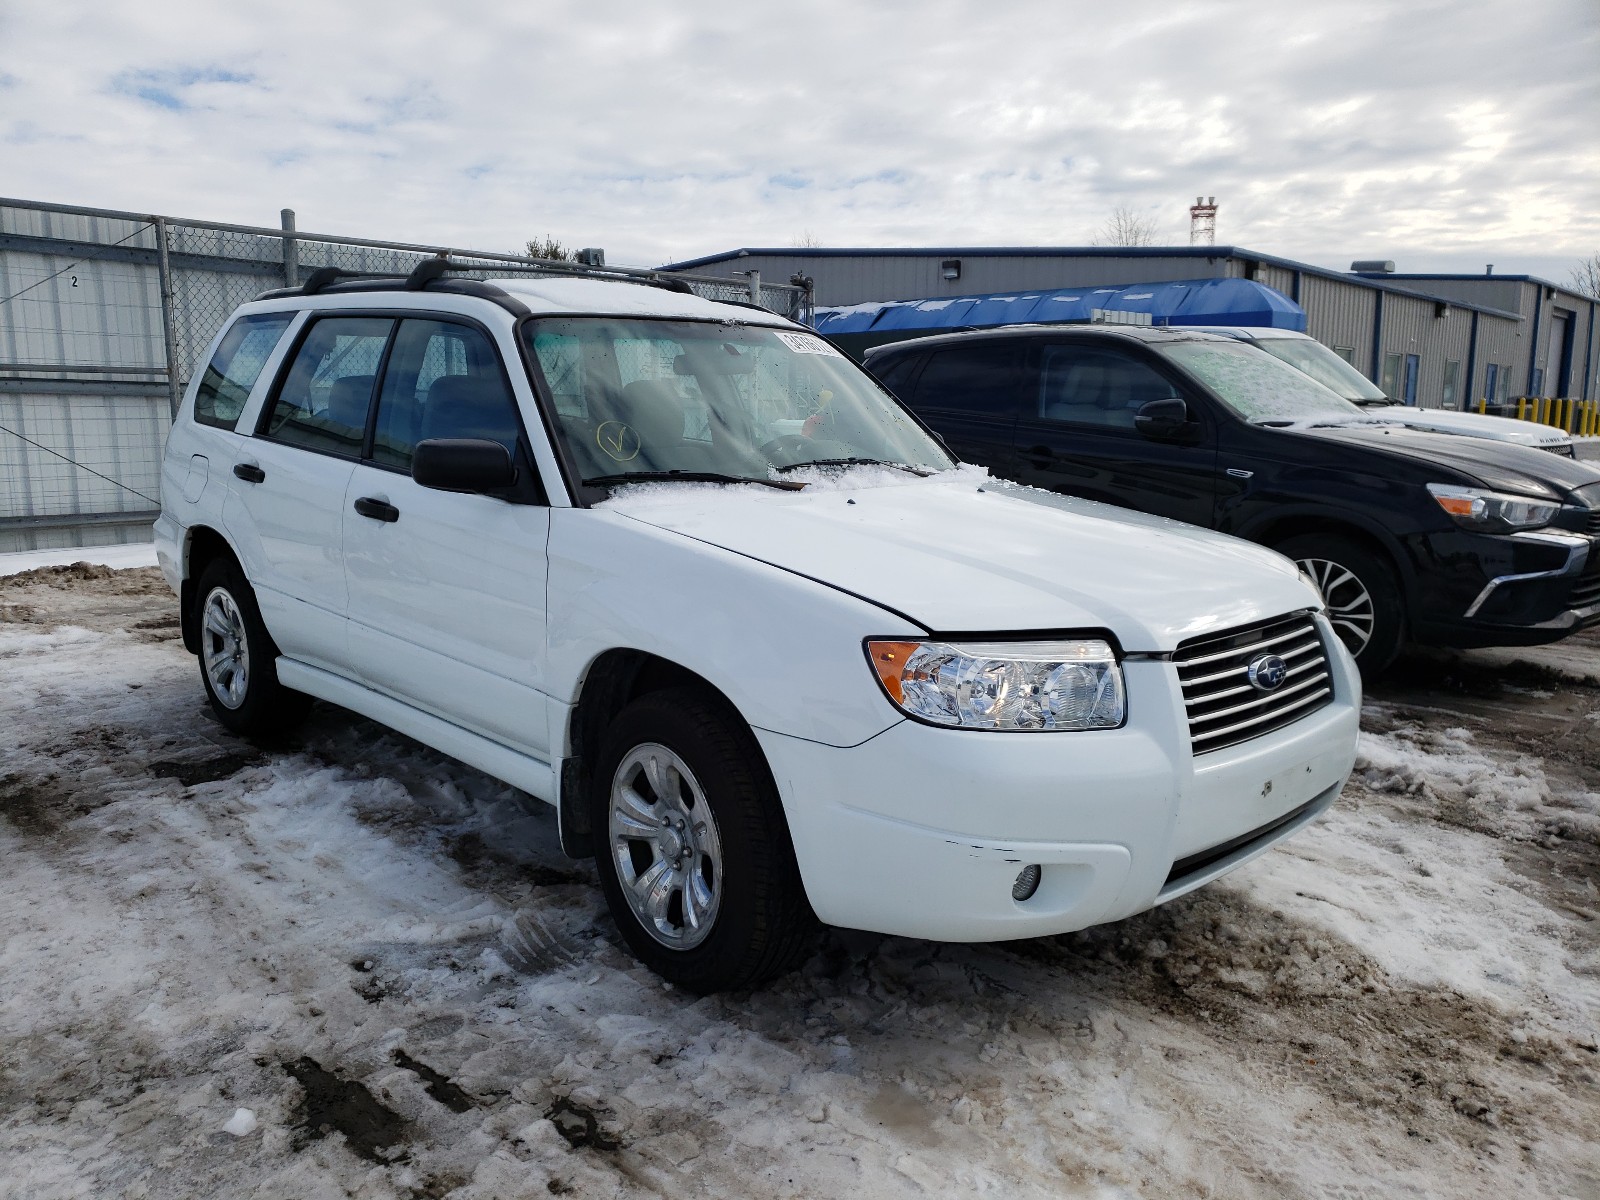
column 1323, row 365
column 645, row 398
column 1257, row 386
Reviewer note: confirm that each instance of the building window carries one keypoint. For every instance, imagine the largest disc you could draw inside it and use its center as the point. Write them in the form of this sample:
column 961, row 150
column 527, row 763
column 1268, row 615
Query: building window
column 1491, row 378
column 1348, row 353
column 1452, row 384
column 1391, row 376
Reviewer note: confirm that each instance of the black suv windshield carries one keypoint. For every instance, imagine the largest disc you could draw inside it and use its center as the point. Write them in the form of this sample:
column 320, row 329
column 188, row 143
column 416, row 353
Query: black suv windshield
column 1257, row 386
column 663, row 398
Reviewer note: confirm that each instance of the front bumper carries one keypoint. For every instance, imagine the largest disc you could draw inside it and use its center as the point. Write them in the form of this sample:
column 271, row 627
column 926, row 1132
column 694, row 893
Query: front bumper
column 922, row 831
column 1505, row 589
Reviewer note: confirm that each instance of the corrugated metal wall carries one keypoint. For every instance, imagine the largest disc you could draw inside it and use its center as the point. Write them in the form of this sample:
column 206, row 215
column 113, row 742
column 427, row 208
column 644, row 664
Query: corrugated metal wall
column 65, row 328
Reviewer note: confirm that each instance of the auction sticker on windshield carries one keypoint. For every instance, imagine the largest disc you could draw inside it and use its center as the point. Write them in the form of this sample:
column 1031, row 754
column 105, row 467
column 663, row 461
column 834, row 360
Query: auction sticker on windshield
column 805, row 343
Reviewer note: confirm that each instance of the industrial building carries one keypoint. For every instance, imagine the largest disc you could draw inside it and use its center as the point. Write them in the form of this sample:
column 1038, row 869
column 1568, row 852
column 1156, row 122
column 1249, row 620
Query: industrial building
column 1440, row 341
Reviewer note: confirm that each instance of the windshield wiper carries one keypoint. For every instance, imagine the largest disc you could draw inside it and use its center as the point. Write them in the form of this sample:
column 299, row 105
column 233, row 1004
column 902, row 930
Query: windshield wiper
column 690, row 477
column 853, row 462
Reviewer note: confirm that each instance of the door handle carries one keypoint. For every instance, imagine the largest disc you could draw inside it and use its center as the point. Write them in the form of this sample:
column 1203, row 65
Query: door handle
column 1040, row 456
column 378, row 510
column 249, row 472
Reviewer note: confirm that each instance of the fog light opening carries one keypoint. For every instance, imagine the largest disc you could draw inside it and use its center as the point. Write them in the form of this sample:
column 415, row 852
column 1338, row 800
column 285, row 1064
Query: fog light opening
column 1027, row 882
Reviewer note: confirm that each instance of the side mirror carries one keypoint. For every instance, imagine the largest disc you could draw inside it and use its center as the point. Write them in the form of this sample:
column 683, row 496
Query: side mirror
column 463, row 465
column 1164, row 420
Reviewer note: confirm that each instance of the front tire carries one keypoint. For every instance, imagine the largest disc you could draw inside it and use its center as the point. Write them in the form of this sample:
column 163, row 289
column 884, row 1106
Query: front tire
column 238, row 660
column 692, row 848
column 1362, row 594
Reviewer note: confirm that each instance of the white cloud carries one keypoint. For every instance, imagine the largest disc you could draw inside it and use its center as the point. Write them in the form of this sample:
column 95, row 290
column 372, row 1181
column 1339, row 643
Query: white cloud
column 1429, row 133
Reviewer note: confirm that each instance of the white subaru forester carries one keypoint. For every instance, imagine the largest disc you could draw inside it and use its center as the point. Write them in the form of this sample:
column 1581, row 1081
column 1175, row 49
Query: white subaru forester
column 684, row 572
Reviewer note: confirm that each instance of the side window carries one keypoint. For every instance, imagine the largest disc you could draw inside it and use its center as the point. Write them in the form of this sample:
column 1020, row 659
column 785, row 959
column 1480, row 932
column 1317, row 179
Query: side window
column 1083, row 385
column 970, row 379
column 898, row 374
column 323, row 402
column 443, row 381
column 235, row 366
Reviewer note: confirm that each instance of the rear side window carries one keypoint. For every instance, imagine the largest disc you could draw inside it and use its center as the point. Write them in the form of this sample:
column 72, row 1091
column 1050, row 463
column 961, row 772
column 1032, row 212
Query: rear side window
column 1082, row 385
column 970, row 379
column 236, row 366
column 443, row 381
column 323, row 402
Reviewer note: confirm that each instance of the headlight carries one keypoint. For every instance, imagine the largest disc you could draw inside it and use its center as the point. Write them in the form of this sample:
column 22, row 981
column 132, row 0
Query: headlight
column 1004, row 685
column 1493, row 512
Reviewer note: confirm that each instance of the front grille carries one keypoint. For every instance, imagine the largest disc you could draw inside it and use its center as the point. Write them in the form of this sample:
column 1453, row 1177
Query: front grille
column 1586, row 592
column 1593, row 527
column 1224, row 707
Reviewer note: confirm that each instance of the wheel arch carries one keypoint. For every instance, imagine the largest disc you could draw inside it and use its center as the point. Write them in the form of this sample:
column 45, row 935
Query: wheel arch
column 203, row 545
column 1279, row 527
column 613, row 680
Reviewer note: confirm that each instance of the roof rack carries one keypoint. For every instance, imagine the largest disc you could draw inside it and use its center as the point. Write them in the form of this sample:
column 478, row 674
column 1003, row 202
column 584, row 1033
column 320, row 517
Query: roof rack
column 432, row 272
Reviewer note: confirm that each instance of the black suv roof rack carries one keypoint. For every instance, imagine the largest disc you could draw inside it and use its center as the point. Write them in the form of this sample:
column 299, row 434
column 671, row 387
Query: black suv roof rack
column 431, row 273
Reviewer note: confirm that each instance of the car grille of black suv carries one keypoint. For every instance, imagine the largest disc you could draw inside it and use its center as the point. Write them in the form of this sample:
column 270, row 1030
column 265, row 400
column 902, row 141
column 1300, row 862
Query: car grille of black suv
column 1225, row 707
column 1587, row 589
column 1593, row 527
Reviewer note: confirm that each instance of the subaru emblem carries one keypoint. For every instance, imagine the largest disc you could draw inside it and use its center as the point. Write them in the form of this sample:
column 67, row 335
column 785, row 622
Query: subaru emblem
column 1268, row 672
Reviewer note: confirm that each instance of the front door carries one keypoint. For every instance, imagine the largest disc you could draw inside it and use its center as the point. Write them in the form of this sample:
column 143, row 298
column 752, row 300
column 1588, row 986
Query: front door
column 1076, row 434
column 1413, row 367
column 969, row 394
column 447, row 589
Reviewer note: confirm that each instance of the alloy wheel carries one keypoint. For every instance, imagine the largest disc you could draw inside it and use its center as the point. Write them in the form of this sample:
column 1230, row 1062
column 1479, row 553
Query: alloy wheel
column 224, row 648
column 1350, row 607
column 665, row 844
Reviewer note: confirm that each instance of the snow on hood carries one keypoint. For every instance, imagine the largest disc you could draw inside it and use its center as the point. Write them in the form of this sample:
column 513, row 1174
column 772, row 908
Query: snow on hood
column 962, row 553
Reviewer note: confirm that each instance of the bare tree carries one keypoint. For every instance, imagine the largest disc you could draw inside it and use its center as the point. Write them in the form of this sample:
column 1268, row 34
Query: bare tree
column 1124, row 227
column 548, row 247
column 806, row 240
column 1585, row 277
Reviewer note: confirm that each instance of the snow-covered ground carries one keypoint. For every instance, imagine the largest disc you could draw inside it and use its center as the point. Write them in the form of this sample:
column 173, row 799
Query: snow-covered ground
column 347, row 966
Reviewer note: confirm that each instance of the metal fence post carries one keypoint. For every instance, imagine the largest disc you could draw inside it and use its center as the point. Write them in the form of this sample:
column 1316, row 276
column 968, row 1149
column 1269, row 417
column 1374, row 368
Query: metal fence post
column 755, row 289
column 291, row 251
column 169, row 329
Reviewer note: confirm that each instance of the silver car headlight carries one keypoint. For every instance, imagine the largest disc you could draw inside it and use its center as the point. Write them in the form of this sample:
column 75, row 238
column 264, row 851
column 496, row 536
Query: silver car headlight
column 1015, row 686
column 1492, row 512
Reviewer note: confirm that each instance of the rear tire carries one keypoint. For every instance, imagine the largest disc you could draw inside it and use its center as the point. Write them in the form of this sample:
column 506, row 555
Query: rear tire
column 1362, row 592
column 238, row 659
column 692, row 847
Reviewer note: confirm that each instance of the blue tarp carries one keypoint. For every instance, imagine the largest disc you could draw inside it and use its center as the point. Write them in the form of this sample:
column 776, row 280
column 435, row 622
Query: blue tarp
column 1185, row 302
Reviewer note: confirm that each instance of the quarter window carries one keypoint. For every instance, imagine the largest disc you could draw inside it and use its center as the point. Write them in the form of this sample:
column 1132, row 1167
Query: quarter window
column 236, row 366
column 323, row 402
column 1082, row 385
column 442, row 381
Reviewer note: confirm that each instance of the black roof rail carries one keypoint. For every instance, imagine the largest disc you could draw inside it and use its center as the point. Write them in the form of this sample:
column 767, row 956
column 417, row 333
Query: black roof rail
column 433, row 272
column 319, row 279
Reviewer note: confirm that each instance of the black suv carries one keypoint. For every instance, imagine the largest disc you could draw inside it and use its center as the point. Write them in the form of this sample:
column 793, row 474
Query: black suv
column 1447, row 540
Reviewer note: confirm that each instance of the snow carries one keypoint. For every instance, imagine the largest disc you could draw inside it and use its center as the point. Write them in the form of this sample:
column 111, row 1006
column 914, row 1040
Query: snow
column 380, row 961
column 241, row 1124
column 137, row 554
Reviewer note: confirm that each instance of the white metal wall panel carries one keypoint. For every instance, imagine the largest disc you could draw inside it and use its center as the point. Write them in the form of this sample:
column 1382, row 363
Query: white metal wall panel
column 90, row 314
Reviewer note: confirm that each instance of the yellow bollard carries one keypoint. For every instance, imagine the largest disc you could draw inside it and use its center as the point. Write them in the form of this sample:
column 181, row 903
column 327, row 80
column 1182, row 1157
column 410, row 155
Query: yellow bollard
column 1483, row 403
column 1522, row 408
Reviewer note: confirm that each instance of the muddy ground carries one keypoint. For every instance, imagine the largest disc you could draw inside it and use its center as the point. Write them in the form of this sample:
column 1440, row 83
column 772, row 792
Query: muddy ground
column 384, row 959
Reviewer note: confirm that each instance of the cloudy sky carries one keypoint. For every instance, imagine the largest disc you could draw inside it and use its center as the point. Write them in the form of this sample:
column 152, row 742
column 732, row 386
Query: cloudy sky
column 1443, row 135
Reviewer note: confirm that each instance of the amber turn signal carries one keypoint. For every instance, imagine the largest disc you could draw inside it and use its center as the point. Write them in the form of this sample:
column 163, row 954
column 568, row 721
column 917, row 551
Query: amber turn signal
column 889, row 661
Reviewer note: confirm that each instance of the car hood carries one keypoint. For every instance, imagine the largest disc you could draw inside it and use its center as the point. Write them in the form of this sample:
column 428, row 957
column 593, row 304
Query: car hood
column 962, row 553
column 1504, row 429
column 1501, row 466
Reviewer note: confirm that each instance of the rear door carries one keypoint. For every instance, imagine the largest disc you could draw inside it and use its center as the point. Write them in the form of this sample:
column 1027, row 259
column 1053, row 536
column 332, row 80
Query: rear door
column 1076, row 433
column 447, row 589
column 288, row 483
column 968, row 393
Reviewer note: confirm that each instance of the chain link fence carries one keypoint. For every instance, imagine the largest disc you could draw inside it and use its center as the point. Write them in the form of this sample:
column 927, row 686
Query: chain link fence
column 104, row 317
